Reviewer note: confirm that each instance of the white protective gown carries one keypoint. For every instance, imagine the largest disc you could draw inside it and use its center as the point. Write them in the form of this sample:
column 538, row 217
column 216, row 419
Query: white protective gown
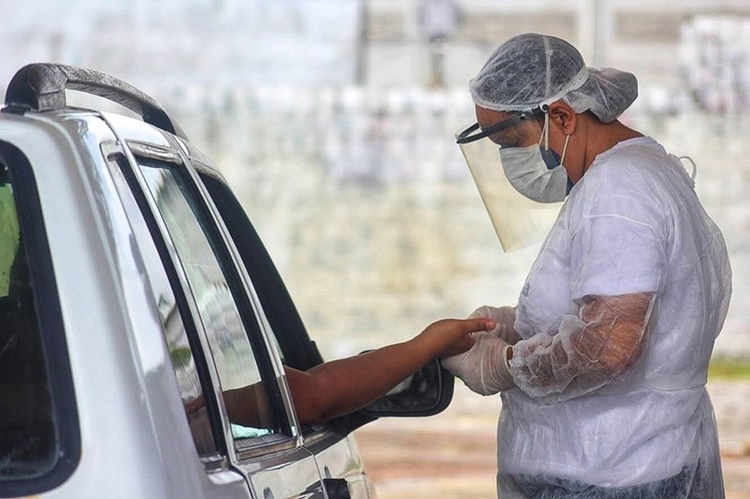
column 632, row 224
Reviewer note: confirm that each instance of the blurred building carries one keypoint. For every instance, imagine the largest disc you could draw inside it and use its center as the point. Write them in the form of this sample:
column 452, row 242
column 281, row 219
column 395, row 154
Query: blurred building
column 252, row 42
column 716, row 62
column 324, row 42
column 647, row 37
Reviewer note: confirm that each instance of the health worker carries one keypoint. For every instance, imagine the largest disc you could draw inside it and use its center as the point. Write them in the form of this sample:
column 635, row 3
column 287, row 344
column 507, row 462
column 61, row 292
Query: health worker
column 602, row 364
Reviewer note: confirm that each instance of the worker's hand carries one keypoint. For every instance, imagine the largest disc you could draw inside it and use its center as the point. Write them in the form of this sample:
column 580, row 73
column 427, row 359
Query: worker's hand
column 505, row 318
column 452, row 336
column 484, row 368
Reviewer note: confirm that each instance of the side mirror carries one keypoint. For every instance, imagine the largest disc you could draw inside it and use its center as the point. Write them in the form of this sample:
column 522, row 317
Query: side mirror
column 425, row 393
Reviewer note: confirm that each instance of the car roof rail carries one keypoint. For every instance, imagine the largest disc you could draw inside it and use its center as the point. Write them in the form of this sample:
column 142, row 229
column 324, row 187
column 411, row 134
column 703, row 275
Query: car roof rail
column 42, row 86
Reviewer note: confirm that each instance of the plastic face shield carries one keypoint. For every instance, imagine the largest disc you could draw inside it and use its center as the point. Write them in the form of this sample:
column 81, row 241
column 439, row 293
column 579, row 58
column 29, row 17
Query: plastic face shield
column 518, row 221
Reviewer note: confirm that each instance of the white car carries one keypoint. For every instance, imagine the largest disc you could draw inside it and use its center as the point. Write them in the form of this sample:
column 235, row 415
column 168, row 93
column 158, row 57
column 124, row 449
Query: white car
column 134, row 292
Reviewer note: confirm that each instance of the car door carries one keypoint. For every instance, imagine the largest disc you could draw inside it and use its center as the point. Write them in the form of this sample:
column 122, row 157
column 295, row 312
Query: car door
column 214, row 329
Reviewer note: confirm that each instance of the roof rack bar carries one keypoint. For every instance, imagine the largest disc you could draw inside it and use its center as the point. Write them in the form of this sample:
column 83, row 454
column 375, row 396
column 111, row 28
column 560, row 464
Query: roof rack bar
column 42, row 86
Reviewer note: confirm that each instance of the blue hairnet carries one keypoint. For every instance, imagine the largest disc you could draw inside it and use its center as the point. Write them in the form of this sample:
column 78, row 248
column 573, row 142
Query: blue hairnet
column 530, row 70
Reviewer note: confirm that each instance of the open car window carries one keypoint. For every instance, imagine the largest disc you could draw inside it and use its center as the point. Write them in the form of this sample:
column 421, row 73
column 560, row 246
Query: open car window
column 297, row 349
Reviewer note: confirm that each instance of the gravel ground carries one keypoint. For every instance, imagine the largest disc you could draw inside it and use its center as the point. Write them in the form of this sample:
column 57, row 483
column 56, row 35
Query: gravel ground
column 452, row 455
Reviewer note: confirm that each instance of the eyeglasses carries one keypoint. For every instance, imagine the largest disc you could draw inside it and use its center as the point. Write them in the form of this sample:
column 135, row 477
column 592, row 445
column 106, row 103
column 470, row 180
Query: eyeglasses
column 475, row 132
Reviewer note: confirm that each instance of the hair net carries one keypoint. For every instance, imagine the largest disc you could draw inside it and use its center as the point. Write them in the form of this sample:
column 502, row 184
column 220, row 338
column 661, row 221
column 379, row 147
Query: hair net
column 530, row 70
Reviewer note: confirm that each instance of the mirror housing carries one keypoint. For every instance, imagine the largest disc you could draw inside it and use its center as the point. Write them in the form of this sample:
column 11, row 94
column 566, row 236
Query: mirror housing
column 425, row 393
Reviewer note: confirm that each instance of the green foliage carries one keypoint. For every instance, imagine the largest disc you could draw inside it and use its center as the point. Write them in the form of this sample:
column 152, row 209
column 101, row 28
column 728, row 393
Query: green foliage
column 181, row 357
column 729, row 368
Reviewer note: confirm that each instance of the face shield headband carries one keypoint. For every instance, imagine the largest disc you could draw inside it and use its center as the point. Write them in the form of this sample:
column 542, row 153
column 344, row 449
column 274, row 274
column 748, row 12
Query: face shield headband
column 475, row 132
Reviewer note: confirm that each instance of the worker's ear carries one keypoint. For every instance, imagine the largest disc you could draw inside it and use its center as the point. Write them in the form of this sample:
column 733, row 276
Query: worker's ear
column 564, row 116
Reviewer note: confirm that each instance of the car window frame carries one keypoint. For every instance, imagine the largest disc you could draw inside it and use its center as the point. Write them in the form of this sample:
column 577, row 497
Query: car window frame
column 299, row 350
column 227, row 445
column 119, row 167
column 51, row 328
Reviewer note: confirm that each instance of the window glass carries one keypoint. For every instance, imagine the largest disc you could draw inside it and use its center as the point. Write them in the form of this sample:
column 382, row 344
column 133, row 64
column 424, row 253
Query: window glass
column 188, row 380
column 28, row 439
column 178, row 342
column 202, row 259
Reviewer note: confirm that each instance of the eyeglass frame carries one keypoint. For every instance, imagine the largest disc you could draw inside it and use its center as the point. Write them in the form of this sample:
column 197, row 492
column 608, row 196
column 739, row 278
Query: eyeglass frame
column 466, row 136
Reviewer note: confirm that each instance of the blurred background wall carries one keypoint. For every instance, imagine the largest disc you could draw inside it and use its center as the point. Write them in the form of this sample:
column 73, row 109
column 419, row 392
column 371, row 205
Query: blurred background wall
column 334, row 120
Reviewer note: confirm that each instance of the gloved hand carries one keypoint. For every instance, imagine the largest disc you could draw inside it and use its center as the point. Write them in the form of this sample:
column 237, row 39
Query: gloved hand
column 484, row 367
column 505, row 317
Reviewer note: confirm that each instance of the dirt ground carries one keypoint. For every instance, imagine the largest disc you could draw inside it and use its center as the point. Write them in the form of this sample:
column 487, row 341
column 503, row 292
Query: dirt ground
column 452, row 455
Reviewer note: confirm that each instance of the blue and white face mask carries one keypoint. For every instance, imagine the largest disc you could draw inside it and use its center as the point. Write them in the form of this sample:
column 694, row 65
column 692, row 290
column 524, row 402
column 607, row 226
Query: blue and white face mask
column 536, row 171
column 529, row 172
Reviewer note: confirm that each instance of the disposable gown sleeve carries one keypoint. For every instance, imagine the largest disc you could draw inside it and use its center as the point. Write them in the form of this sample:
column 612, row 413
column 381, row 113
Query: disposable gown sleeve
column 588, row 351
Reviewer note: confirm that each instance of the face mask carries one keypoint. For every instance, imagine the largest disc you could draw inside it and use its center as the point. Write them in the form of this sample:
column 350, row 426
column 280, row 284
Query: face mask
column 528, row 172
column 536, row 172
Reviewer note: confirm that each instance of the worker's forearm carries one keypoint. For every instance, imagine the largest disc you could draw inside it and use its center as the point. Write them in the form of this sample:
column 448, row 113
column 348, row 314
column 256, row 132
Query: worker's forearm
column 587, row 352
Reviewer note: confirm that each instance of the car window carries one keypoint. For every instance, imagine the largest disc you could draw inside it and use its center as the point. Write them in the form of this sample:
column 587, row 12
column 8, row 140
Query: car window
column 296, row 347
column 39, row 438
column 217, row 297
column 286, row 324
column 27, row 433
column 180, row 342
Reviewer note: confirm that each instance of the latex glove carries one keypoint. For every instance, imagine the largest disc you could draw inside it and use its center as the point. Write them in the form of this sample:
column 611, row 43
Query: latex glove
column 505, row 318
column 484, row 367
